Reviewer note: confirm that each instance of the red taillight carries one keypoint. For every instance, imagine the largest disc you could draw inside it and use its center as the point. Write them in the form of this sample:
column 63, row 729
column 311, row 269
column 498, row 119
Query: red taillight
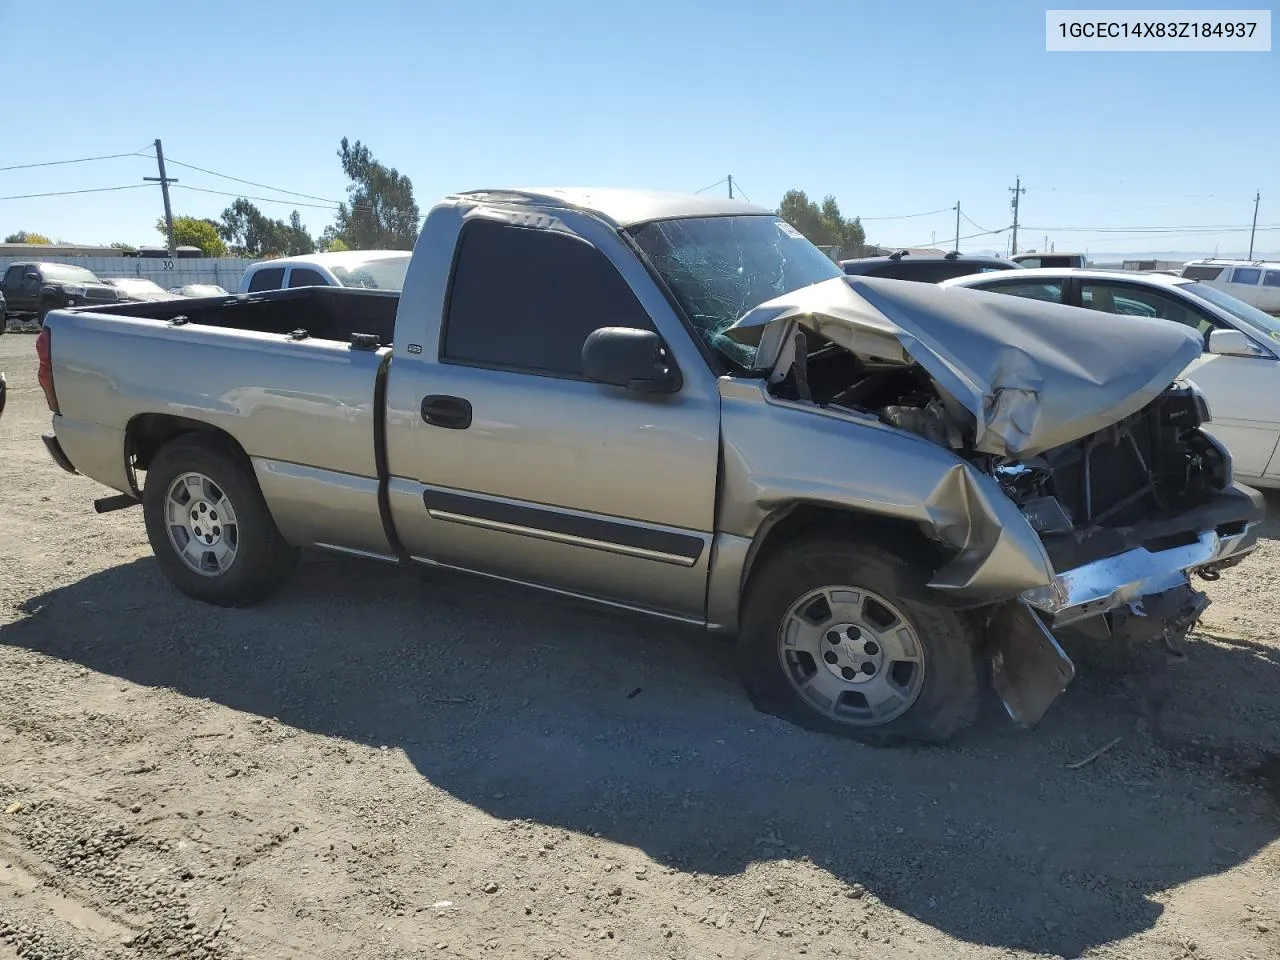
column 45, row 374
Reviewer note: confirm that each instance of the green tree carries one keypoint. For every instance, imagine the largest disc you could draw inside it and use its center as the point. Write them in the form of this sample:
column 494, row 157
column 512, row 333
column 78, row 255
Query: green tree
column 27, row 236
column 120, row 245
column 195, row 232
column 335, row 245
column 251, row 233
column 824, row 225
column 381, row 213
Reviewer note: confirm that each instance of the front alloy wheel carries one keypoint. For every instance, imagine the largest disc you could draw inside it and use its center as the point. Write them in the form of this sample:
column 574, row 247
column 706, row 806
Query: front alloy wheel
column 852, row 654
column 841, row 635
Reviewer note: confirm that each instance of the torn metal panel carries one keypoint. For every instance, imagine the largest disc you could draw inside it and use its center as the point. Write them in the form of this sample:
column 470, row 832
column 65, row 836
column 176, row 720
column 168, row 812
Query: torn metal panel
column 1033, row 375
column 1029, row 669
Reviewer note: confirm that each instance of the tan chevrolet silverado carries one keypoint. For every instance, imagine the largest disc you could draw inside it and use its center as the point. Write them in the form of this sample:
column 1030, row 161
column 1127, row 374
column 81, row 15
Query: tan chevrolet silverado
column 678, row 405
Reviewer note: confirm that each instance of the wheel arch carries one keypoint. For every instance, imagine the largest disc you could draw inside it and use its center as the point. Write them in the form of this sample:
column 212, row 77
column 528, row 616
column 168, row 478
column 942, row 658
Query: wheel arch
column 793, row 521
column 146, row 433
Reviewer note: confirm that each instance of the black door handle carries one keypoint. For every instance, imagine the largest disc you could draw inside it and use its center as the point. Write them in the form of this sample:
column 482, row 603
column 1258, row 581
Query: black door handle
column 453, row 413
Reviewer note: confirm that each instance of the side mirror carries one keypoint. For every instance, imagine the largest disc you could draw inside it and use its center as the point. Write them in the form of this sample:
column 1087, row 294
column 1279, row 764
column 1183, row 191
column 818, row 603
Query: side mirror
column 1233, row 343
column 631, row 358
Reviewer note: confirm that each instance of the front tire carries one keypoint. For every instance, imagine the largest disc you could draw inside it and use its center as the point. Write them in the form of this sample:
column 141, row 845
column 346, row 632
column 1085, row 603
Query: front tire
column 209, row 525
column 837, row 637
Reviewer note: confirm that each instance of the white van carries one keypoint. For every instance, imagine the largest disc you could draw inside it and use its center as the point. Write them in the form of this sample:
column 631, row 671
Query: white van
column 368, row 269
column 1256, row 282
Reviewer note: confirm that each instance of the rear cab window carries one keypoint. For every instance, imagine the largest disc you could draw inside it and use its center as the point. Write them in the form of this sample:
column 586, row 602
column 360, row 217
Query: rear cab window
column 270, row 278
column 306, row 277
column 554, row 291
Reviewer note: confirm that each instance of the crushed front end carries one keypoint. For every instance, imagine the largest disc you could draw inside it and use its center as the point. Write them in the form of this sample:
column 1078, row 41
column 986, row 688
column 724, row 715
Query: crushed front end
column 1128, row 515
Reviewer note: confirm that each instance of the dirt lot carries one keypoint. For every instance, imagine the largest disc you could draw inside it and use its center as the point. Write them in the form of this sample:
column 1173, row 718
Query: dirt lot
column 382, row 765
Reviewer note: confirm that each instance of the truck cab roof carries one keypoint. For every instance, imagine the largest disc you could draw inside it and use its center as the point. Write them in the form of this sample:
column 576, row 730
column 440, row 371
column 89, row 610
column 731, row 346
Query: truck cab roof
column 620, row 207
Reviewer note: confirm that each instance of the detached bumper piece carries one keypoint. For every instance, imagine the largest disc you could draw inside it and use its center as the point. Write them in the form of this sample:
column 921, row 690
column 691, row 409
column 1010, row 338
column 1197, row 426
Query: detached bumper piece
column 55, row 451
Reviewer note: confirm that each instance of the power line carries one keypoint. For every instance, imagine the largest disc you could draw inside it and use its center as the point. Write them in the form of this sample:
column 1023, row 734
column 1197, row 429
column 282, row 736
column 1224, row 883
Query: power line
column 58, row 163
column 327, row 205
column 978, row 225
column 1196, row 228
column 741, row 191
column 908, row 216
column 252, row 183
column 288, row 203
column 67, row 193
column 710, row 185
column 984, row 233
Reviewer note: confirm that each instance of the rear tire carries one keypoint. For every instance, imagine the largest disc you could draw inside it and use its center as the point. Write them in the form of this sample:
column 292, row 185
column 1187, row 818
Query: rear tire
column 209, row 525
column 836, row 637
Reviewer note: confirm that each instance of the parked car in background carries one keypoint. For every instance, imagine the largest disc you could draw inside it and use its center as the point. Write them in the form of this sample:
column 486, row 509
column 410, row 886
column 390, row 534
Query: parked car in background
column 1034, row 260
column 924, row 268
column 363, row 269
column 1238, row 369
column 4, row 316
column 31, row 290
column 139, row 289
column 200, row 290
column 677, row 405
column 1256, row 282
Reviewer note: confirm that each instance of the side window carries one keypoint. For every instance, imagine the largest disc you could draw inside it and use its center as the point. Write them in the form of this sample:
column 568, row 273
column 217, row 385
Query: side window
column 1271, row 278
column 306, row 277
column 13, row 277
column 525, row 300
column 271, row 278
column 1202, row 273
column 1140, row 302
column 1050, row 292
column 1246, row 275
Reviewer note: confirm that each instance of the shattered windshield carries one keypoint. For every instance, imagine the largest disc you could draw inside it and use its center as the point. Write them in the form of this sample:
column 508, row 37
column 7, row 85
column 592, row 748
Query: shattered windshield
column 721, row 267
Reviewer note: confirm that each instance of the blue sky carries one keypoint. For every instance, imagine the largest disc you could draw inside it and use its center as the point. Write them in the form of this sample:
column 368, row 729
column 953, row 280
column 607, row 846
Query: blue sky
column 894, row 108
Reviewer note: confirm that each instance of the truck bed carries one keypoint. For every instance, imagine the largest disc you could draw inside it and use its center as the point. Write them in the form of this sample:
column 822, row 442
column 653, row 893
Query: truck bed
column 325, row 313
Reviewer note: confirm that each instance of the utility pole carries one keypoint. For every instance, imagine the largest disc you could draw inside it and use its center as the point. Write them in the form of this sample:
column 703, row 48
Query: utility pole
column 1017, row 192
column 957, row 247
column 1252, row 230
column 164, row 190
column 730, row 178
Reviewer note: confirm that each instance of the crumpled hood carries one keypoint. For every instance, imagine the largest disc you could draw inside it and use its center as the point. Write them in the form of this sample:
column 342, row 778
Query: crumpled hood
column 1034, row 375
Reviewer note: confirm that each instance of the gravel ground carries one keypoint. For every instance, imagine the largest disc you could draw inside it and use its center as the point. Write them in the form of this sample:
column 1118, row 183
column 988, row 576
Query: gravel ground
column 377, row 764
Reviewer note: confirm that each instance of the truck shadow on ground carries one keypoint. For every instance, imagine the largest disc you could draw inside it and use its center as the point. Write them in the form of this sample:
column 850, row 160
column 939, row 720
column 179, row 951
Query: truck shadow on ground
column 527, row 706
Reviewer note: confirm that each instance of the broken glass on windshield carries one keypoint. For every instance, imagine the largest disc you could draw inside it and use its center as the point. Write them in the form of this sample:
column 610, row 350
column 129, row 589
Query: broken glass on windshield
column 718, row 268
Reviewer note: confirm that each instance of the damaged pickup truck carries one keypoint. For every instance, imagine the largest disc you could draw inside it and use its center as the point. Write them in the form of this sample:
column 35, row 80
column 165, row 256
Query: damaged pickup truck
column 679, row 406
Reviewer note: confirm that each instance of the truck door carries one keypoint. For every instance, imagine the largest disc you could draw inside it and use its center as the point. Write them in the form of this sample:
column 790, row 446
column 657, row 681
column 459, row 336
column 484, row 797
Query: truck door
column 509, row 462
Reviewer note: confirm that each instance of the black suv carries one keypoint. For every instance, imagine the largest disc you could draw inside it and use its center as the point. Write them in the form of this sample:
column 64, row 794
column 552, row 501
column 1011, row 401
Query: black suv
column 924, row 267
column 31, row 290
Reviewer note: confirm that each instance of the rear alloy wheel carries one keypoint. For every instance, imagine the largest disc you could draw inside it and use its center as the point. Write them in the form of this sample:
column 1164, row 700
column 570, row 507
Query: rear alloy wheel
column 201, row 523
column 209, row 526
column 839, row 635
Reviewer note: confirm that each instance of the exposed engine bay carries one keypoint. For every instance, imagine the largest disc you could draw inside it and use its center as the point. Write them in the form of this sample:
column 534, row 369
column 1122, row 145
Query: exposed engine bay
column 1150, row 466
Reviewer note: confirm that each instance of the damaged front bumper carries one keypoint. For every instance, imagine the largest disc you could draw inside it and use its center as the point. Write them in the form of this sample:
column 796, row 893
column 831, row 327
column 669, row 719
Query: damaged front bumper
column 1030, row 670
column 1113, row 582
